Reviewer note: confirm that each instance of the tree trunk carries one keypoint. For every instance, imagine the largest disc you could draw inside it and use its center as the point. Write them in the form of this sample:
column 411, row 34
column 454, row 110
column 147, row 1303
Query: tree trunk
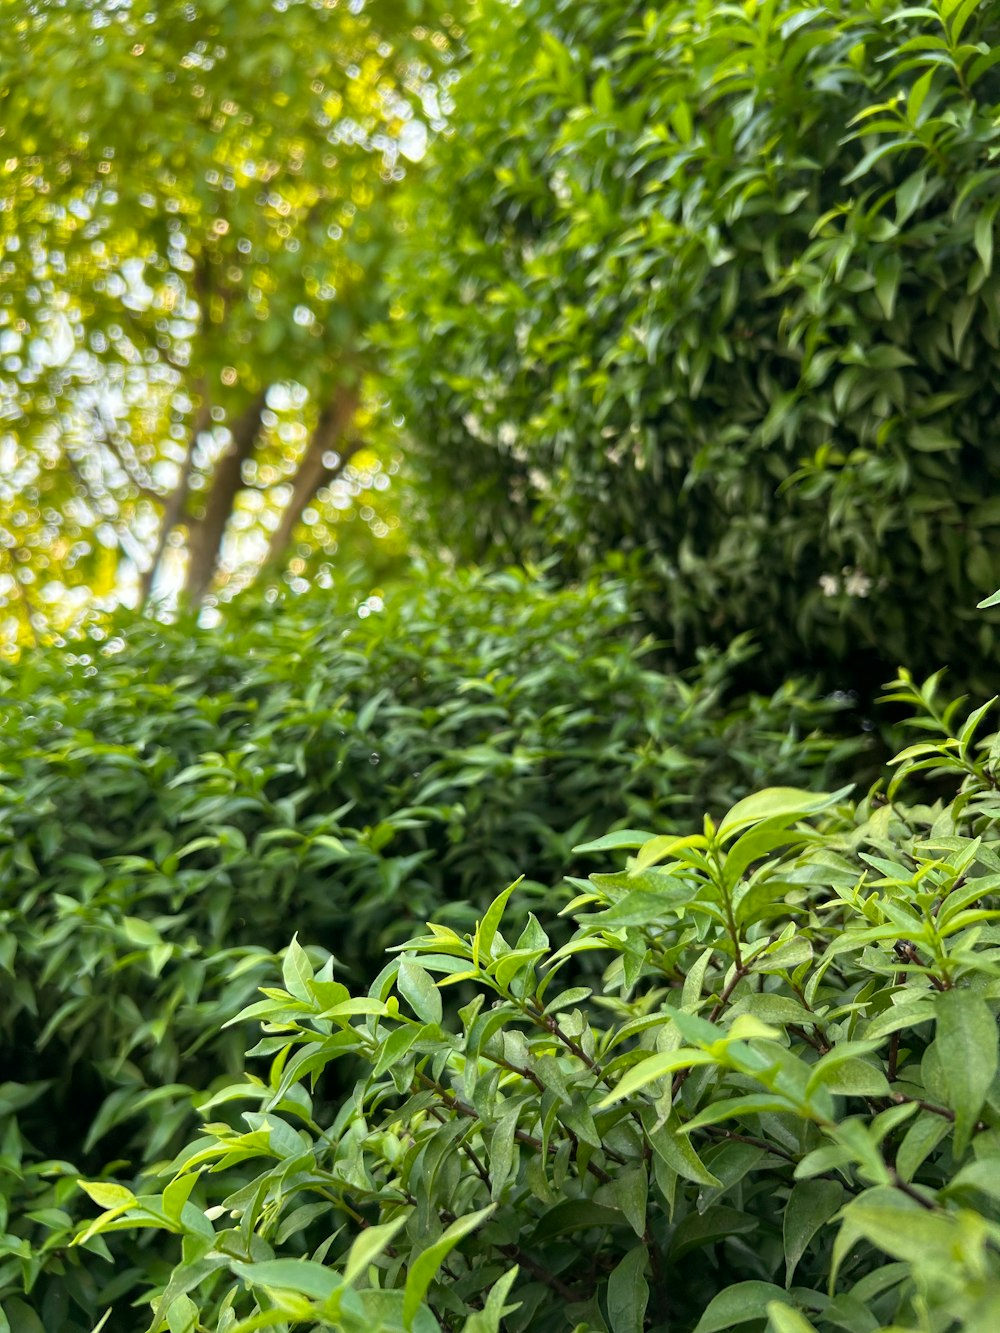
column 176, row 503
column 328, row 436
column 205, row 536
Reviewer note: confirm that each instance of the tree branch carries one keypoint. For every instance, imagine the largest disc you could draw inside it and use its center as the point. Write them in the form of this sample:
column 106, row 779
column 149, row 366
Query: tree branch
column 177, row 501
column 328, row 435
column 205, row 536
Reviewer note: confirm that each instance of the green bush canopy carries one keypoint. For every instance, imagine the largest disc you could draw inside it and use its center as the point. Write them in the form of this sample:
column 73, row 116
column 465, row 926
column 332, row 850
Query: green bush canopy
column 715, row 284
column 777, row 1112
column 176, row 801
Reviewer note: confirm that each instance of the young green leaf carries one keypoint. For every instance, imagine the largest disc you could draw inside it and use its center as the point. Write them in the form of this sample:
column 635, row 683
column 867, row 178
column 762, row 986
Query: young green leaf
column 424, row 1268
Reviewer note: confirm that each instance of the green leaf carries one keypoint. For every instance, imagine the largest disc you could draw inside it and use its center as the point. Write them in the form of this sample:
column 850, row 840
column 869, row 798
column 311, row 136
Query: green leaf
column 777, row 802
column 490, row 1318
column 675, row 1149
column 653, row 1068
column 419, row 991
column 296, row 970
column 106, row 1194
column 966, row 1045
column 631, row 1188
column 825, row 1069
column 983, row 235
column 887, row 275
column 628, row 1293
column 424, row 1268
column 182, row 1315
column 810, row 1206
column 482, row 941
column 662, row 848
column 621, row 840
column 571, row 1215
column 176, row 1195
column 786, row 1319
column 303, row 1276
column 739, row 1304
column 368, row 1246
column 900, row 1228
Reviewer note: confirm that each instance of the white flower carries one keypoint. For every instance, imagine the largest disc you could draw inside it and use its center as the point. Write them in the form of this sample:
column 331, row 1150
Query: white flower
column 857, row 584
column 830, row 584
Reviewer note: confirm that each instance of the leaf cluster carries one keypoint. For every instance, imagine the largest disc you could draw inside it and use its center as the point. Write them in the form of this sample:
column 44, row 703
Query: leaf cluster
column 716, row 284
column 174, row 800
column 779, row 1110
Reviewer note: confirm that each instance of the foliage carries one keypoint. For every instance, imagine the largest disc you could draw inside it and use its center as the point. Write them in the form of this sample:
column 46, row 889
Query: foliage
column 716, row 283
column 195, row 207
column 779, row 1111
column 173, row 799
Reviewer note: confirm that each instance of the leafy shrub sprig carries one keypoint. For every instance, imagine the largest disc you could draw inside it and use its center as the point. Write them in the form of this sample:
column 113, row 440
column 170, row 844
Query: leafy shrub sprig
column 780, row 1109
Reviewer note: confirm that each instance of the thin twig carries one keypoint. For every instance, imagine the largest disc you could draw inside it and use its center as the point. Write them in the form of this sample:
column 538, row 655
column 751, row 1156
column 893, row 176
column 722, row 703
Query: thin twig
column 911, row 1193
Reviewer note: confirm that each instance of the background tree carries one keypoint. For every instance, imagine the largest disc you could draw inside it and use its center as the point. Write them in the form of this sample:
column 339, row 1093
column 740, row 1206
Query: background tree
column 715, row 285
column 196, row 209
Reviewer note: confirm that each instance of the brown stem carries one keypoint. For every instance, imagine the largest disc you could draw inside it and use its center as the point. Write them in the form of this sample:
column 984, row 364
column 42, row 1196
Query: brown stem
column 910, row 1192
column 547, row 1021
column 205, row 537
column 945, row 1112
column 814, row 1039
column 755, row 1143
column 906, row 952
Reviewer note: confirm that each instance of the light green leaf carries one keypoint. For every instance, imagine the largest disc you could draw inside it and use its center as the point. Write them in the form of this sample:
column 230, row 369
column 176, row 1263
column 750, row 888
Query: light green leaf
column 425, row 1266
column 296, row 970
column 176, row 1195
column 620, row 840
column 786, row 1319
column 983, row 235
column 660, row 849
column 106, row 1194
column 303, row 1276
column 482, row 941
column 777, row 802
column 655, row 1067
column 368, row 1246
column 419, row 991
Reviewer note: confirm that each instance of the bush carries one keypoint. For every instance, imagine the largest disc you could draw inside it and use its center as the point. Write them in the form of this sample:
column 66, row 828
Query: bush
column 716, row 286
column 174, row 799
column 781, row 1109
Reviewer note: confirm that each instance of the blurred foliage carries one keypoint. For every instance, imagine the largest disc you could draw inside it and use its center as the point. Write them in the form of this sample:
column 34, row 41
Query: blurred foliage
column 195, row 210
column 716, row 283
column 175, row 800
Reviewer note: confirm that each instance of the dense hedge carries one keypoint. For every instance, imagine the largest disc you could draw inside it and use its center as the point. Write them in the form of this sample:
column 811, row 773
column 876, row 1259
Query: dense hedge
column 779, row 1111
column 716, row 284
column 175, row 801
